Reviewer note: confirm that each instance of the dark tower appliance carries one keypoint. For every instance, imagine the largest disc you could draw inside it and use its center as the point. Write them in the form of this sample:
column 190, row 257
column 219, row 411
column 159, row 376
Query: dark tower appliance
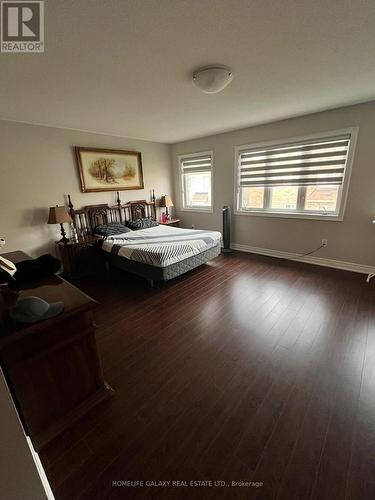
column 226, row 229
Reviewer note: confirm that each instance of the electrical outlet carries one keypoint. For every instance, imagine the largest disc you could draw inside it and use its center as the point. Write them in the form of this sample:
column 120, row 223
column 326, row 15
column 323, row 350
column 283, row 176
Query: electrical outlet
column 324, row 242
column 193, row 226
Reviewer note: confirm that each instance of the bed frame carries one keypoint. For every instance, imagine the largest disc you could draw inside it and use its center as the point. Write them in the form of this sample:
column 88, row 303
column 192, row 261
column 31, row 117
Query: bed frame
column 87, row 218
column 90, row 216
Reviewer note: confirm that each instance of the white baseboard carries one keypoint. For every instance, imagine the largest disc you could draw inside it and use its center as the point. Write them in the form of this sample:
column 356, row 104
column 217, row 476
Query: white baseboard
column 42, row 474
column 308, row 259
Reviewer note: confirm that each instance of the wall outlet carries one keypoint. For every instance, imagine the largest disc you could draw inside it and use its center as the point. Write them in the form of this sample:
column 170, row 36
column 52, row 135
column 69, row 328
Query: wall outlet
column 193, row 226
column 324, row 242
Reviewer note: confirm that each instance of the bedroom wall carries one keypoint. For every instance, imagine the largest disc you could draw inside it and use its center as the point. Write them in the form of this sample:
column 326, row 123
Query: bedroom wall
column 37, row 168
column 19, row 474
column 352, row 240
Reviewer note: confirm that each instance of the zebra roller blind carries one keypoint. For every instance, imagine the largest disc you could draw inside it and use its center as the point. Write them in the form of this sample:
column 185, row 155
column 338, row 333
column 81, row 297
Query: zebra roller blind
column 315, row 162
column 196, row 164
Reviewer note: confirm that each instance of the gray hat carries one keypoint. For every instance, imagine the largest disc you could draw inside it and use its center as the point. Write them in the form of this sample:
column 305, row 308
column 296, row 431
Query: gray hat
column 32, row 309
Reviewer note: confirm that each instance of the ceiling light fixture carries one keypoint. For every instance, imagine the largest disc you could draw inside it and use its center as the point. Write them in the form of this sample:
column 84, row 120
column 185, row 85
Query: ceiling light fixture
column 212, row 79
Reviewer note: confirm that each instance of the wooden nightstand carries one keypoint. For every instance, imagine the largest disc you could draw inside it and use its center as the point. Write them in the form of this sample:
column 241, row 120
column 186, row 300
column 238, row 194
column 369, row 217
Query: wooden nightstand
column 81, row 258
column 172, row 222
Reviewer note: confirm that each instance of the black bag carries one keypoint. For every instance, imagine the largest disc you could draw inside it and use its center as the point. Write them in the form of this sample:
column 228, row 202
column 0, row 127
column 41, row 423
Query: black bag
column 32, row 270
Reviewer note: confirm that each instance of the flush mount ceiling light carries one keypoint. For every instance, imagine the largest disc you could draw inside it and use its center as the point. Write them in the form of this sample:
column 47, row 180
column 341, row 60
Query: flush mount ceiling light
column 212, row 79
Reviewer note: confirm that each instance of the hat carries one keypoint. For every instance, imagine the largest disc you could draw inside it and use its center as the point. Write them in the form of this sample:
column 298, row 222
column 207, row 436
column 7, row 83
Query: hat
column 32, row 309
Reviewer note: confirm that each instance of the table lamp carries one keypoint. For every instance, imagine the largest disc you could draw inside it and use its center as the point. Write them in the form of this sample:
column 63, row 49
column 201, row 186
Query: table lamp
column 166, row 201
column 59, row 215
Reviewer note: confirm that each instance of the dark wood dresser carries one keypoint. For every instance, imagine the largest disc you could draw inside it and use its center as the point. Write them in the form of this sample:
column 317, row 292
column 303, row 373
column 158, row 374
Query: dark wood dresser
column 52, row 367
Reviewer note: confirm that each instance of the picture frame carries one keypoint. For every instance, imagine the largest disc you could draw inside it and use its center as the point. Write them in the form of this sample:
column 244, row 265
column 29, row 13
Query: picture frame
column 109, row 169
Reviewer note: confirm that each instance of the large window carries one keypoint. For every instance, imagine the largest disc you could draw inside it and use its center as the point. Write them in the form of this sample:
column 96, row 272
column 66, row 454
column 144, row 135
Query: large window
column 304, row 177
column 196, row 181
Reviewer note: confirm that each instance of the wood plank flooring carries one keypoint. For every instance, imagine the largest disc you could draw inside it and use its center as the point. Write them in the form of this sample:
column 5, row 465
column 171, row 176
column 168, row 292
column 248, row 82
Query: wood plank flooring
column 246, row 369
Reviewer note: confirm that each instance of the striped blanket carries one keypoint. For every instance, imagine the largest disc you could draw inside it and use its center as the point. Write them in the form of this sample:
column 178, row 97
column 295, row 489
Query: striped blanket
column 161, row 246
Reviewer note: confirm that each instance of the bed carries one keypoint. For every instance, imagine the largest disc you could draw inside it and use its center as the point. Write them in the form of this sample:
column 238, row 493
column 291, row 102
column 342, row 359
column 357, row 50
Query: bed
column 157, row 253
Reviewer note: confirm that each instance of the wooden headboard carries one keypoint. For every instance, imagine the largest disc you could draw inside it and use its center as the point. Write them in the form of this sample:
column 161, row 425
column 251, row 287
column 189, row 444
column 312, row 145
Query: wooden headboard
column 87, row 218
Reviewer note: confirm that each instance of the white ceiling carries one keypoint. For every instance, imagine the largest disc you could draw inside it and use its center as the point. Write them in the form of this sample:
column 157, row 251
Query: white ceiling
column 123, row 66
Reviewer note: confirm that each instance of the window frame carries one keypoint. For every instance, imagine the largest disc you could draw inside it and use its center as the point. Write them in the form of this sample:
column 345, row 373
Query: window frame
column 183, row 206
column 299, row 213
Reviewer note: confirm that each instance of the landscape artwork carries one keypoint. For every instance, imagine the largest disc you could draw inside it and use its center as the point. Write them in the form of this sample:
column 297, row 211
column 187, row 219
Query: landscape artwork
column 109, row 170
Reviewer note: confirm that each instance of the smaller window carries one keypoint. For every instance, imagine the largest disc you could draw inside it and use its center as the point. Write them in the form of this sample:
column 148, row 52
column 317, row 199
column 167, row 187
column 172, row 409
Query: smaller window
column 196, row 181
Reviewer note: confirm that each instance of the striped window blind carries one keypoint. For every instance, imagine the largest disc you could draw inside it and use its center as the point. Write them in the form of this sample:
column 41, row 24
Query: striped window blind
column 196, row 164
column 196, row 180
column 316, row 162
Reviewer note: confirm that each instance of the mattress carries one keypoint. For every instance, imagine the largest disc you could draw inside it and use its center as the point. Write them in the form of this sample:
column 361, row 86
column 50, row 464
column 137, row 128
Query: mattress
column 152, row 273
column 161, row 246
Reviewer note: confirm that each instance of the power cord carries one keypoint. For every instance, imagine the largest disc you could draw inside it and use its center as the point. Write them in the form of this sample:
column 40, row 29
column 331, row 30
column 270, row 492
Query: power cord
column 308, row 253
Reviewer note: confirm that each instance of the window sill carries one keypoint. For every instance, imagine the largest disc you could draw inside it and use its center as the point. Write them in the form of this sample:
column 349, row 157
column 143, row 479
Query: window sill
column 198, row 209
column 285, row 215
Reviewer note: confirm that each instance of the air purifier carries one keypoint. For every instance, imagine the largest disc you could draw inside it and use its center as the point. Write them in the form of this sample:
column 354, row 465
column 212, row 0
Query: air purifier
column 226, row 229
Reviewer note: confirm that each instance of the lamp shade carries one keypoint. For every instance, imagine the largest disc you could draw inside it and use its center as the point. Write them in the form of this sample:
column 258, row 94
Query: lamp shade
column 58, row 215
column 166, row 201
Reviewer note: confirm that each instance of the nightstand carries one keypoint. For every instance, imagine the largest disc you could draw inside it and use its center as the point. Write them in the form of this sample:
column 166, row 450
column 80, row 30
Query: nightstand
column 81, row 258
column 172, row 222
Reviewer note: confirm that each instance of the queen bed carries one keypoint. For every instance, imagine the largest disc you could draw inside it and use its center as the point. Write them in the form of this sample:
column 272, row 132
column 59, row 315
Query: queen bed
column 155, row 251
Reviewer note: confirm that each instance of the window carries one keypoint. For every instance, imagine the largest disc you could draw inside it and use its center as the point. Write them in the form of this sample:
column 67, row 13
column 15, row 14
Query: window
column 305, row 177
column 196, row 181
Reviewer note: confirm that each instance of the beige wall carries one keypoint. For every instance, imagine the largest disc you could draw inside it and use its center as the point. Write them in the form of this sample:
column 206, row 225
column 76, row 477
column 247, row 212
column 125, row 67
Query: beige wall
column 19, row 478
column 37, row 168
column 352, row 240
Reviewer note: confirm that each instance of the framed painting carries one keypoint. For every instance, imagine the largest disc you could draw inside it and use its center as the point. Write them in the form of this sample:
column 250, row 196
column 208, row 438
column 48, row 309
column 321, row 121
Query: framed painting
column 109, row 169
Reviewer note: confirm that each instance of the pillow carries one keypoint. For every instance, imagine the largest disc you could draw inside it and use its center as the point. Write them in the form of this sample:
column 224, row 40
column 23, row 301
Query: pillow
column 111, row 229
column 141, row 224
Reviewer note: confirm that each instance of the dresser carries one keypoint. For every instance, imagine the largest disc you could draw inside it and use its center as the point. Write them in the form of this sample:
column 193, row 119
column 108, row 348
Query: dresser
column 52, row 367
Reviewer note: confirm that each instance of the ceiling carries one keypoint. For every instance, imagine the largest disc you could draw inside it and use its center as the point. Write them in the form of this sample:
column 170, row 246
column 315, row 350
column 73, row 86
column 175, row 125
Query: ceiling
column 123, row 67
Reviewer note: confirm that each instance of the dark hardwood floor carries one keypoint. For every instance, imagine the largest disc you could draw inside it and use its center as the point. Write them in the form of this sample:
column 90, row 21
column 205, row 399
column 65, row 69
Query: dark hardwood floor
column 247, row 369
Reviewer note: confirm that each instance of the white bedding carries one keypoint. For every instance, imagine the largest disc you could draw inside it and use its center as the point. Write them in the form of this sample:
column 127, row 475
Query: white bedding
column 161, row 245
